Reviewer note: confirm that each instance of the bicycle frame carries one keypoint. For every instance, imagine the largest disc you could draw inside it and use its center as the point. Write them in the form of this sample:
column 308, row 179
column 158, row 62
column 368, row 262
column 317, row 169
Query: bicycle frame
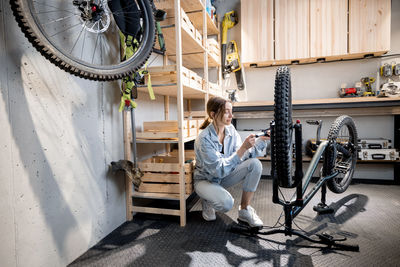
column 293, row 207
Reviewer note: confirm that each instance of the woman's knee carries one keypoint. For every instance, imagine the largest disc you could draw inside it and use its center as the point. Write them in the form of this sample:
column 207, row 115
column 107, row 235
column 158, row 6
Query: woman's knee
column 255, row 165
column 225, row 204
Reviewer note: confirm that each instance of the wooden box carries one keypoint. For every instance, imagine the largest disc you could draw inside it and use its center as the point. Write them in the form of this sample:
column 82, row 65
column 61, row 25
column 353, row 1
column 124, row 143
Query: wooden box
column 214, row 89
column 161, row 175
column 196, row 81
column 199, row 37
column 167, row 129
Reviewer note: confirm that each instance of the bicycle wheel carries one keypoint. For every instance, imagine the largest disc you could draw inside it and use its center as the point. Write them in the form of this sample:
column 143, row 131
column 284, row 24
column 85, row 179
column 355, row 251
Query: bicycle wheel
column 283, row 128
column 342, row 155
column 82, row 37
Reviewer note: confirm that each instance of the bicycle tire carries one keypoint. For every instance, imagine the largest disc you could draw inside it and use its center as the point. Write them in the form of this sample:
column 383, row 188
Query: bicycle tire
column 283, row 128
column 96, row 65
column 333, row 157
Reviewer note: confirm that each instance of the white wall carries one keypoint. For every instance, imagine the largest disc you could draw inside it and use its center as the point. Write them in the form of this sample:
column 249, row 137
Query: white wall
column 320, row 80
column 58, row 135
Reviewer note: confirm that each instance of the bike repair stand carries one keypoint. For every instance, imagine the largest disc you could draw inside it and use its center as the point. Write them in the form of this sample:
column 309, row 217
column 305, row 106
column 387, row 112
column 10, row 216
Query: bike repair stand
column 291, row 208
column 321, row 208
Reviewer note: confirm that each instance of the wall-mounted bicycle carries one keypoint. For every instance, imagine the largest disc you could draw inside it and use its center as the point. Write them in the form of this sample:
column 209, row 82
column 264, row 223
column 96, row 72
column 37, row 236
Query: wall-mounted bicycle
column 83, row 37
column 339, row 154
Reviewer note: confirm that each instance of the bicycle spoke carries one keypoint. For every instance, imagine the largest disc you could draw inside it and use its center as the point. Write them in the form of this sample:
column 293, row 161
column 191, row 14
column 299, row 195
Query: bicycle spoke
column 56, row 8
column 83, row 28
column 73, row 26
column 95, row 47
column 58, row 20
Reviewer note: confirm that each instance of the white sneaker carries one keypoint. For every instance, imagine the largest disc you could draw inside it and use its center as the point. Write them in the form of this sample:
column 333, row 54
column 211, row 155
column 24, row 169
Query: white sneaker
column 249, row 216
column 208, row 211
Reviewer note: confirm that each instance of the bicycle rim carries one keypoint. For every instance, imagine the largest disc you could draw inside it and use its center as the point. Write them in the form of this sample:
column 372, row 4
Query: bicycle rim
column 342, row 132
column 82, row 37
column 283, row 128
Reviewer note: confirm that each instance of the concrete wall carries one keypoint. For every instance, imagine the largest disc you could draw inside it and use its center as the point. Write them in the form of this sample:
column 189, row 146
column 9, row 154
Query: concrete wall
column 320, row 80
column 58, row 135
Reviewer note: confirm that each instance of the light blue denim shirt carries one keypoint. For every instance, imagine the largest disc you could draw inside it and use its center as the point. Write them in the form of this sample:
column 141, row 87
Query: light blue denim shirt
column 213, row 165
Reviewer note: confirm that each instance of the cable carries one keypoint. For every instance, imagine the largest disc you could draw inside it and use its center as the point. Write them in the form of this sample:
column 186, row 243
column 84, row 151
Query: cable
column 322, row 60
column 276, row 223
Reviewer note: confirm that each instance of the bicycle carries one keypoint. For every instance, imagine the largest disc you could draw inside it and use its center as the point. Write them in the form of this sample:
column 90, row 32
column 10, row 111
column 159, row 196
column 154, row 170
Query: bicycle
column 82, row 37
column 339, row 153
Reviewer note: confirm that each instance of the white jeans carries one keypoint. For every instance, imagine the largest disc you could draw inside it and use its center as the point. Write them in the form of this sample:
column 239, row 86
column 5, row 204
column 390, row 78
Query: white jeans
column 249, row 171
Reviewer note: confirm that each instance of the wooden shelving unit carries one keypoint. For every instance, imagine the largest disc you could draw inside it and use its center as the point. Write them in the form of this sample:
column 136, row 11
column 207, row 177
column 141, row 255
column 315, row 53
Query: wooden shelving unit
column 169, row 177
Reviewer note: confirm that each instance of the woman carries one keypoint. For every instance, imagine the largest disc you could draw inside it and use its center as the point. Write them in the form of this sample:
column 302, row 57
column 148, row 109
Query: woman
column 222, row 161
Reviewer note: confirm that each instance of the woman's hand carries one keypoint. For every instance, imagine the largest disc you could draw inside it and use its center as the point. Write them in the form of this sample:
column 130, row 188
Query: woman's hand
column 247, row 143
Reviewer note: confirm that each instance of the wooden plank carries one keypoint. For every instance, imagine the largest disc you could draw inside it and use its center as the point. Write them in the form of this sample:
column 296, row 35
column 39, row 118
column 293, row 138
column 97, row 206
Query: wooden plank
column 328, row 27
column 197, row 20
column 156, row 210
column 191, row 61
column 313, row 113
column 369, row 25
column 156, row 135
column 156, row 195
column 170, row 90
column 128, row 156
column 257, row 30
column 319, row 101
column 195, row 114
column 189, row 42
column 163, row 167
column 292, row 29
column 164, row 188
column 165, row 177
column 187, row 5
column 160, row 126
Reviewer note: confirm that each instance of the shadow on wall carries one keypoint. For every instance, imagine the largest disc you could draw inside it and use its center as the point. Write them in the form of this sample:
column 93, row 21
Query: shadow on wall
column 49, row 193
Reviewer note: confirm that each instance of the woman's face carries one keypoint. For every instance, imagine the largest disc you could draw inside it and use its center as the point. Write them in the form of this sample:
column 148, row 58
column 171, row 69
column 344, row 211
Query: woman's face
column 226, row 117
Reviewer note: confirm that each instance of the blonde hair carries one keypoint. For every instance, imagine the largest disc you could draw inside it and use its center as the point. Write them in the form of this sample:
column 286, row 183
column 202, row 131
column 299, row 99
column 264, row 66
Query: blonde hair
column 217, row 105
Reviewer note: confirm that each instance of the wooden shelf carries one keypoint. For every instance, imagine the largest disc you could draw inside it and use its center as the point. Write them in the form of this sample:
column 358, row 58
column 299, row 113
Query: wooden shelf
column 213, row 60
column 142, row 138
column 187, row 5
column 170, row 90
column 275, row 63
column 355, row 106
column 308, row 159
column 191, row 61
column 164, row 82
column 189, row 44
column 197, row 20
column 158, row 195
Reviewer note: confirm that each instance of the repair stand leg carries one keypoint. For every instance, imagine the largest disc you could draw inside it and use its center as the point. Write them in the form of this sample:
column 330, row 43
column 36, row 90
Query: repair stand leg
column 322, row 208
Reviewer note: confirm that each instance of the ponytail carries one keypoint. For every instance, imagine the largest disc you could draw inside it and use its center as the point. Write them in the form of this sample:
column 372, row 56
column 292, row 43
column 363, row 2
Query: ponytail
column 205, row 123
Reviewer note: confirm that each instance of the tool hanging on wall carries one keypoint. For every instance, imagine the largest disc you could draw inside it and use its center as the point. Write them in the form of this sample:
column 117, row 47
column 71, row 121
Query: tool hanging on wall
column 386, row 70
column 230, row 20
column 230, row 61
column 233, row 64
column 160, row 15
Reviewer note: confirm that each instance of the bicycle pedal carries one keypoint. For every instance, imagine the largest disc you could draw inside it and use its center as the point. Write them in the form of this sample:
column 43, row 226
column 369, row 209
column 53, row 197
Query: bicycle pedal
column 342, row 167
column 330, row 238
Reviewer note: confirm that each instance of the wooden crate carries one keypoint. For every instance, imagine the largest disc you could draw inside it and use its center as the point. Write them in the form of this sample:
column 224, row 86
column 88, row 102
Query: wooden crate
column 215, row 89
column 196, row 81
column 161, row 175
column 199, row 37
column 167, row 129
column 168, row 75
column 213, row 46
